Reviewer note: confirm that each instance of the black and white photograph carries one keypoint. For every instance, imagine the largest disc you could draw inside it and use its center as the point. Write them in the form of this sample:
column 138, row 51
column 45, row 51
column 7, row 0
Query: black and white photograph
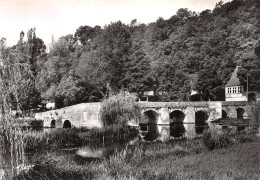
column 129, row 89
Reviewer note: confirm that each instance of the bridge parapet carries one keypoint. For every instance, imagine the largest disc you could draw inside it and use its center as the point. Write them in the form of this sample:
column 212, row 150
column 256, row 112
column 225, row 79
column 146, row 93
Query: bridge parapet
column 234, row 103
column 178, row 104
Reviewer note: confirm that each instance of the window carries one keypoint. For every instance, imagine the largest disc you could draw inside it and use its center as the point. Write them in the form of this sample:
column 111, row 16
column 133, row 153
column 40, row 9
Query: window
column 239, row 89
column 229, row 90
column 234, row 89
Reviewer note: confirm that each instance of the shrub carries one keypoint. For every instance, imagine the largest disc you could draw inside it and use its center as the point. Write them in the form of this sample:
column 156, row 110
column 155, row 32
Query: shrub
column 212, row 139
column 118, row 110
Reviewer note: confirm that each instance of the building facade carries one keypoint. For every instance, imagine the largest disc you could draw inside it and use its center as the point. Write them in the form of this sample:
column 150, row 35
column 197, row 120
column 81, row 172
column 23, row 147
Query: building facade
column 234, row 90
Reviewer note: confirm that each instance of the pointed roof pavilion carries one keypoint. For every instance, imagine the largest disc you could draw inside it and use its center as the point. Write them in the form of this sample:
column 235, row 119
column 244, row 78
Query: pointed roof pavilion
column 234, row 80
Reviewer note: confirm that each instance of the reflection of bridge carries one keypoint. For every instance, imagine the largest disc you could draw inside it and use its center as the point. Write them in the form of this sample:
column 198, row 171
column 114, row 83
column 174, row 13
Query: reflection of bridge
column 160, row 116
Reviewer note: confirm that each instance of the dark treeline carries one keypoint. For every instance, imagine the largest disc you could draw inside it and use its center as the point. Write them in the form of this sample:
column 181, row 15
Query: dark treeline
column 188, row 51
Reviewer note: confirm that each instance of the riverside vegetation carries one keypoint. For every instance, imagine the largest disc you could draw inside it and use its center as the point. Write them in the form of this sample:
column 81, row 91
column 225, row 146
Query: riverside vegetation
column 53, row 155
column 210, row 157
column 215, row 155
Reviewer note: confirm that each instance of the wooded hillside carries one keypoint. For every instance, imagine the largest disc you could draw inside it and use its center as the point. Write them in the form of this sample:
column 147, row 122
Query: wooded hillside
column 189, row 51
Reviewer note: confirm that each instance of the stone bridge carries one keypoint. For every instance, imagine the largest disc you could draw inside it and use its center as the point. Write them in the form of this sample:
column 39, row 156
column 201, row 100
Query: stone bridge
column 165, row 119
column 192, row 111
column 160, row 119
column 79, row 115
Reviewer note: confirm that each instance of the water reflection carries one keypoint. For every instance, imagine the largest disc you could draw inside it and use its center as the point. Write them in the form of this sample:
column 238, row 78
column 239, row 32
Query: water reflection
column 152, row 132
column 231, row 129
column 90, row 152
column 96, row 152
column 199, row 129
column 200, row 121
column 177, row 129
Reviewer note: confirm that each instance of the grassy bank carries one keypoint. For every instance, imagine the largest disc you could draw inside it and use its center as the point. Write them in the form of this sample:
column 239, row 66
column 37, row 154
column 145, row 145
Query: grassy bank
column 182, row 159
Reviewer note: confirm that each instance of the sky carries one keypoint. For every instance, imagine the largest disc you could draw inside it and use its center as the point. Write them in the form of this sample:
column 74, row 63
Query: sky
column 61, row 17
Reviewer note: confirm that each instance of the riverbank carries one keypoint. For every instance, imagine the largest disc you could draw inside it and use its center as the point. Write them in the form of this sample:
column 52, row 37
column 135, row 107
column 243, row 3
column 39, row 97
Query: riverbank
column 182, row 159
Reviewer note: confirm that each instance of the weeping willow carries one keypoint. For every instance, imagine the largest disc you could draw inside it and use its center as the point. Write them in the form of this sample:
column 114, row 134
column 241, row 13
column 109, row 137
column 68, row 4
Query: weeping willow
column 119, row 110
column 12, row 71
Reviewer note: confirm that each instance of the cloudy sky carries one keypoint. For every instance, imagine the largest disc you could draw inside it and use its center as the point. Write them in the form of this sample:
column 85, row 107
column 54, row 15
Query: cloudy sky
column 61, row 17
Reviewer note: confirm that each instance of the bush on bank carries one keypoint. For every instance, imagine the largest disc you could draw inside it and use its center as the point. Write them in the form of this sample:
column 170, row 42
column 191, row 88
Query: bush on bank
column 213, row 140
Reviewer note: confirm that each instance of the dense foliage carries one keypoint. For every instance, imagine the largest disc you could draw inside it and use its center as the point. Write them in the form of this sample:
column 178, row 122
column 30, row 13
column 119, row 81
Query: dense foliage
column 188, row 51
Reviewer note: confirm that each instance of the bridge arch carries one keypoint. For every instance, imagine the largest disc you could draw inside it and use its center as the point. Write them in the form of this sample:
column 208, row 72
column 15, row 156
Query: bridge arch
column 240, row 113
column 200, row 121
column 53, row 123
column 66, row 124
column 224, row 114
column 177, row 128
column 150, row 119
